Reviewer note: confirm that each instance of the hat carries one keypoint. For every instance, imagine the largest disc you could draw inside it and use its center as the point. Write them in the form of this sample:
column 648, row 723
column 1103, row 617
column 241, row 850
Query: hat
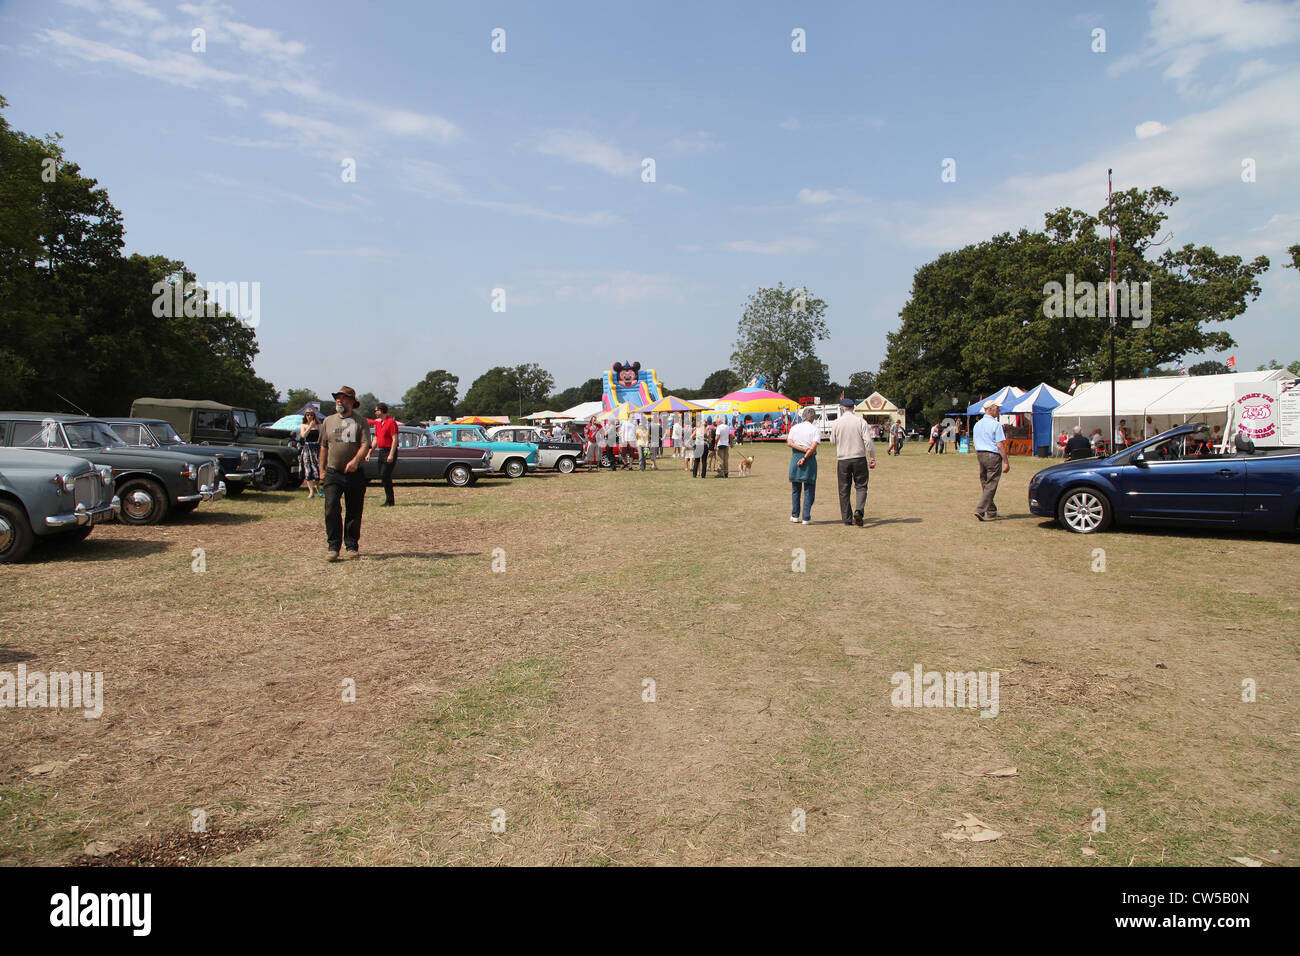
column 990, row 404
column 347, row 391
column 846, row 403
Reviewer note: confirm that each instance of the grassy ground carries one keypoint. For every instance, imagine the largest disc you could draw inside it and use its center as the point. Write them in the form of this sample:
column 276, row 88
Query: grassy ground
column 501, row 716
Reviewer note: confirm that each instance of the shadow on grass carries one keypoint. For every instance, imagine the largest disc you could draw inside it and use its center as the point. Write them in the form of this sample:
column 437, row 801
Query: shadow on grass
column 11, row 655
column 92, row 549
column 429, row 555
column 200, row 517
column 877, row 522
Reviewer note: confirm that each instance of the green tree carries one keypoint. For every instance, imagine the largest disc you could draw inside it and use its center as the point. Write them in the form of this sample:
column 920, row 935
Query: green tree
column 588, row 391
column 507, row 391
column 810, row 376
column 1294, row 252
column 722, row 382
column 976, row 321
column 532, row 384
column 861, row 385
column 296, row 398
column 1208, row 368
column 431, row 397
column 779, row 327
column 366, row 402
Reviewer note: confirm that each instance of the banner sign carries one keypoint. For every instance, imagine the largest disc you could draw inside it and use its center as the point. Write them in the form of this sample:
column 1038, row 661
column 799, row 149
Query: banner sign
column 1257, row 413
column 1288, row 412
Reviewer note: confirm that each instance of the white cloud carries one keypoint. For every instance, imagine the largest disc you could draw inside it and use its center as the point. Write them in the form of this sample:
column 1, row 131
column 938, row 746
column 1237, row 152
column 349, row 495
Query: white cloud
column 585, row 149
column 776, row 247
column 1199, row 153
column 262, row 42
column 435, row 182
column 406, row 123
column 814, row 197
column 614, row 288
column 790, row 125
column 1184, row 33
column 1150, row 128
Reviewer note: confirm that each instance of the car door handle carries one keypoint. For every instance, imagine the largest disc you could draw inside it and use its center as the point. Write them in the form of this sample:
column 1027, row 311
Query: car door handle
column 1226, row 472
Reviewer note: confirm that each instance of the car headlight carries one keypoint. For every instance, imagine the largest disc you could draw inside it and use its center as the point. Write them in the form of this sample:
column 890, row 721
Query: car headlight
column 63, row 482
column 106, row 475
column 189, row 471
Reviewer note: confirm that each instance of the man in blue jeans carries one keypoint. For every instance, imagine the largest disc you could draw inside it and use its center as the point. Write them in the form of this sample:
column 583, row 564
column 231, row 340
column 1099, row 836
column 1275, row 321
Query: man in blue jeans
column 344, row 445
column 803, row 440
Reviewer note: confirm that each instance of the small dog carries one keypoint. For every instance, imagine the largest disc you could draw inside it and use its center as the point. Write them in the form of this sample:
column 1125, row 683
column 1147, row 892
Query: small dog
column 746, row 464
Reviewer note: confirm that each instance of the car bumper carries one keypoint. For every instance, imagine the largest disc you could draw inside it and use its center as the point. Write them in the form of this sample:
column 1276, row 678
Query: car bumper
column 244, row 475
column 483, row 469
column 82, row 516
column 1038, row 506
column 206, row 493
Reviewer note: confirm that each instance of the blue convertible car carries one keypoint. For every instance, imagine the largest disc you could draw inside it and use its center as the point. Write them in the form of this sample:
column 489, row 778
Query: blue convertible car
column 1174, row 479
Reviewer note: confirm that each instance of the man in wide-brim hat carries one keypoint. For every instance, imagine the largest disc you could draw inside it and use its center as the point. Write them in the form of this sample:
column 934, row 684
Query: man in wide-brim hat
column 344, row 445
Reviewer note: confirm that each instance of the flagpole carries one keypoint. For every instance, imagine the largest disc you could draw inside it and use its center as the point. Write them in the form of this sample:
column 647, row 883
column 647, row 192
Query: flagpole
column 1111, row 304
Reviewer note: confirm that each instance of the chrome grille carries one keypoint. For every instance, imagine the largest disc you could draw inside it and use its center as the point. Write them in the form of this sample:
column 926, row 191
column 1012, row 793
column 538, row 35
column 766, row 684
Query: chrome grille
column 207, row 474
column 85, row 490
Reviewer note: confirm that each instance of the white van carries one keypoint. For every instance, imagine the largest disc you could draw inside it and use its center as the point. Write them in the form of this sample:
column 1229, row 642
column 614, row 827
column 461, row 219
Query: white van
column 826, row 417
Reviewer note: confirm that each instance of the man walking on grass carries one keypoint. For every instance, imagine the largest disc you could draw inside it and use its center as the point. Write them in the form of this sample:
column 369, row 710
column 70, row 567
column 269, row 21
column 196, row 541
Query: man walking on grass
column 723, row 438
column 344, row 445
column 855, row 452
column 991, row 450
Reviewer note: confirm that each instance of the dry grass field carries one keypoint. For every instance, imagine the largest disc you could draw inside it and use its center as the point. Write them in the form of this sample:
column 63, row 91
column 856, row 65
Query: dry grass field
column 523, row 690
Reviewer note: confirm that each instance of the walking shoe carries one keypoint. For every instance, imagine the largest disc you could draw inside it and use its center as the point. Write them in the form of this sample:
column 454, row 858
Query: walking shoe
column 331, row 555
column 794, row 518
column 857, row 518
column 807, row 521
column 980, row 516
column 386, row 504
column 350, row 555
column 849, row 522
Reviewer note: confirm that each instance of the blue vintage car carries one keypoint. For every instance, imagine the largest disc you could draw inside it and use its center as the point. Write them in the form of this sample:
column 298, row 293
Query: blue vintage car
column 511, row 458
column 1174, row 479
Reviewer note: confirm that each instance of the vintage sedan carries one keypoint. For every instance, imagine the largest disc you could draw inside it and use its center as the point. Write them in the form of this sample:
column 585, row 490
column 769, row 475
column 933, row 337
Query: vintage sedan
column 419, row 457
column 238, row 467
column 561, row 455
column 50, row 497
column 1173, row 479
column 512, row 459
column 151, row 484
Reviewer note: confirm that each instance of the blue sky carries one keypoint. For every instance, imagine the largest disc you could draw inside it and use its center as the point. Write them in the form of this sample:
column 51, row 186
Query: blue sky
column 522, row 170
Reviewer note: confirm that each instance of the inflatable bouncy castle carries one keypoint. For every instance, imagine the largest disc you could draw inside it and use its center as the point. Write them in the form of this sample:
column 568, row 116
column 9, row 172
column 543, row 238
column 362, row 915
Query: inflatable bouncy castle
column 628, row 383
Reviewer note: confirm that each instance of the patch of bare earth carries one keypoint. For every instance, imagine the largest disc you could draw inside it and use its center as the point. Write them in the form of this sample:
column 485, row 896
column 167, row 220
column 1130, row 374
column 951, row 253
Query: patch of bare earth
column 650, row 681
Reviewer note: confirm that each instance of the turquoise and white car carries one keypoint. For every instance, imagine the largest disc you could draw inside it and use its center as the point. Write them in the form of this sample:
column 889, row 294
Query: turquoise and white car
column 510, row 458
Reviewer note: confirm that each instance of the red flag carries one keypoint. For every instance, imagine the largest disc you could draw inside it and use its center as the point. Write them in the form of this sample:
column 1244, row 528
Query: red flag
column 1232, row 361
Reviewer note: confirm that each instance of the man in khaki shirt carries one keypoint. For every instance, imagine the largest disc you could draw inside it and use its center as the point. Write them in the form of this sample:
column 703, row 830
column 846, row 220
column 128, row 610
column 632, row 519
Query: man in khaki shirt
column 855, row 452
column 344, row 445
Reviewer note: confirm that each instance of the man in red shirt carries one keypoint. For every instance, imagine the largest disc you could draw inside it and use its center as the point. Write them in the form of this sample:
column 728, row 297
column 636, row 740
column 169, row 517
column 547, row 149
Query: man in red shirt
column 386, row 448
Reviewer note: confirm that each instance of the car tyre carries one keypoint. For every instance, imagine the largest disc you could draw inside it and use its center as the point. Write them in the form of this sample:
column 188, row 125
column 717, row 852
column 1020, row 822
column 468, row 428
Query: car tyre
column 566, row 465
column 274, row 476
column 144, row 501
column 459, row 476
column 16, row 536
column 516, row 468
column 1084, row 510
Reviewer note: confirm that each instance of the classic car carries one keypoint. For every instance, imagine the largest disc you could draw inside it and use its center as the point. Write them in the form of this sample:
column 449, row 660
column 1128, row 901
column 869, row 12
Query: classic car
column 560, row 454
column 52, row 497
column 420, row 457
column 512, row 459
column 150, row 483
column 212, row 423
column 1173, row 479
column 238, row 467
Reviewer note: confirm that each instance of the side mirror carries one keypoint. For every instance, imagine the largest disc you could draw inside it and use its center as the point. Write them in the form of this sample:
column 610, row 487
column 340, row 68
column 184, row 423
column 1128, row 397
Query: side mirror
column 1140, row 459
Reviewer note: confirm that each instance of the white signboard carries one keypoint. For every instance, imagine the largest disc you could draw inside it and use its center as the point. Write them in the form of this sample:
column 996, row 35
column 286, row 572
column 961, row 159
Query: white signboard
column 1288, row 412
column 1257, row 413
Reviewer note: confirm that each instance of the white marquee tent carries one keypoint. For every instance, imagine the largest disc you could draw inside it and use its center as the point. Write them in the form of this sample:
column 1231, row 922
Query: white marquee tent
column 1170, row 400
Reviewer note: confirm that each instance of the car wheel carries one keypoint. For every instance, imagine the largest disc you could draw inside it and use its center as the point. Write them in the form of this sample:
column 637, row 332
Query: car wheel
column 566, row 465
column 235, row 488
column 144, row 501
column 458, row 476
column 1084, row 510
column 606, row 460
column 515, row 468
column 16, row 535
column 274, row 476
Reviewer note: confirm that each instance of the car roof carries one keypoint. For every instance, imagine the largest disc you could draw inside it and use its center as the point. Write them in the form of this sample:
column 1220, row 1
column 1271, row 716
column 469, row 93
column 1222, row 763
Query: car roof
column 50, row 416
column 189, row 403
column 37, row 456
column 135, row 420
